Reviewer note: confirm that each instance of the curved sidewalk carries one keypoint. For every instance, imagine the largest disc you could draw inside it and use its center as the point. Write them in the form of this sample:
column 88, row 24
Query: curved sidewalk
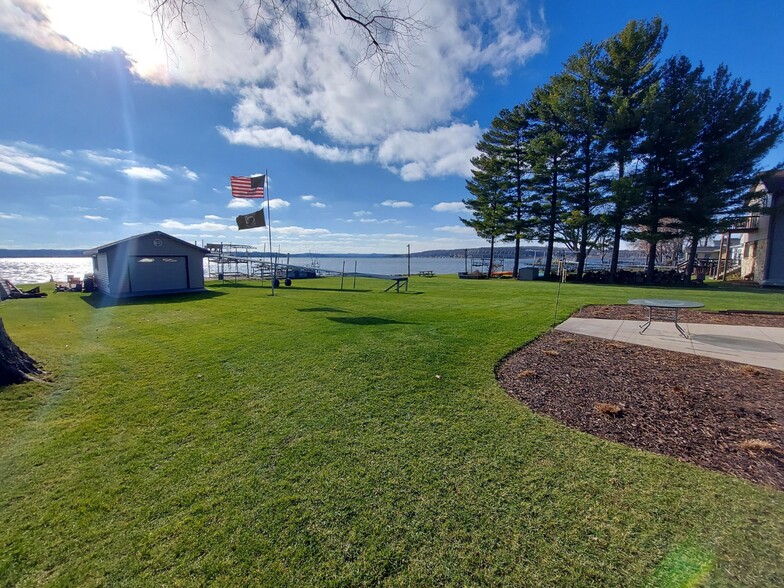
column 759, row 346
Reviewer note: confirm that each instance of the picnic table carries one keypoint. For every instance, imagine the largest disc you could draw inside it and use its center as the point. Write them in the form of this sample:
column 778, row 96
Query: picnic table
column 427, row 274
column 660, row 303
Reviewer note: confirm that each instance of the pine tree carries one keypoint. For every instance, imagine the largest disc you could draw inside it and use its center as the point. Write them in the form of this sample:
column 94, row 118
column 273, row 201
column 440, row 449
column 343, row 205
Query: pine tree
column 585, row 116
column 733, row 138
column 547, row 152
column 628, row 75
column 489, row 207
column 670, row 127
column 505, row 143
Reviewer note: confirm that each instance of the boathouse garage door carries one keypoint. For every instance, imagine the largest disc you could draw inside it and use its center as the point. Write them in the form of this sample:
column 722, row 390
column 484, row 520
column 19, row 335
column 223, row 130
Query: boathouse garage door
column 157, row 273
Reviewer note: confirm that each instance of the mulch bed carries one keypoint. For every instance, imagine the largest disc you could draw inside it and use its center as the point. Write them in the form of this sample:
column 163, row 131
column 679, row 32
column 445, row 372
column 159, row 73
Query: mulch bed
column 717, row 414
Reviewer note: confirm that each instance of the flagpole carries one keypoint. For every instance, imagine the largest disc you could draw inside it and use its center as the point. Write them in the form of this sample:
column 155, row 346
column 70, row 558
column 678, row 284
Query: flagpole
column 269, row 230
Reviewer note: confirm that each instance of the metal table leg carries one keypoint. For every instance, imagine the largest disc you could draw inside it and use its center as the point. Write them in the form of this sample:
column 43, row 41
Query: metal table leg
column 644, row 326
column 677, row 326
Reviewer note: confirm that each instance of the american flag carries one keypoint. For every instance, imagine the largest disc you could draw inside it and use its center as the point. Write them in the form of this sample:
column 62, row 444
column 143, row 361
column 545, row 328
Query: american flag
column 252, row 187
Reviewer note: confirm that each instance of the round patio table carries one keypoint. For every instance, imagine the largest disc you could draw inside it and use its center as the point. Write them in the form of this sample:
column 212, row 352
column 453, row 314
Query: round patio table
column 675, row 305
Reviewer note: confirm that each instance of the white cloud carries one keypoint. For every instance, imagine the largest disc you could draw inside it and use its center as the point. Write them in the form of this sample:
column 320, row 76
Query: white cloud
column 203, row 226
column 240, row 204
column 397, row 203
column 129, row 224
column 318, row 205
column 108, row 199
column 308, row 197
column 457, row 230
column 362, row 213
column 294, row 231
column 439, row 152
column 9, row 216
column 278, row 203
column 21, row 161
column 189, row 174
column 106, row 160
column 303, row 82
column 151, row 174
column 450, row 207
column 93, row 217
column 282, row 138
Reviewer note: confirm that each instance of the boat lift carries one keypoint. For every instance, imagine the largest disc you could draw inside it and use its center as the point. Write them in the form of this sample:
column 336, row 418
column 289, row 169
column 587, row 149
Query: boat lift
column 225, row 257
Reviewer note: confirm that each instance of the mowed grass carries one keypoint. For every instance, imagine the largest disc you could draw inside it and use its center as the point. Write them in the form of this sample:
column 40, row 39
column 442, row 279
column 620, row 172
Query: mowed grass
column 333, row 438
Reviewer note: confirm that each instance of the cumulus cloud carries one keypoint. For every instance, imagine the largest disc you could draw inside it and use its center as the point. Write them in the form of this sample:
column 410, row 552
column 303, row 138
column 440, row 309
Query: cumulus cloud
column 309, row 90
column 278, row 203
column 190, row 174
column 294, row 231
column 308, row 197
column 450, row 207
column 282, row 138
column 439, row 152
column 202, row 226
column 457, row 230
column 21, row 160
column 318, row 205
column 150, row 174
column 397, row 203
column 240, row 203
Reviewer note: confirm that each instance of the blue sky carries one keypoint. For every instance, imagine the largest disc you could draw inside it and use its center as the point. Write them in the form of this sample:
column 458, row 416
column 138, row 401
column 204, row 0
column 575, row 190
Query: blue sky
column 106, row 132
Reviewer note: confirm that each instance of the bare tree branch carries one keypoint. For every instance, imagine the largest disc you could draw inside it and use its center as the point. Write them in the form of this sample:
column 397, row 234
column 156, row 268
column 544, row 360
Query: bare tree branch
column 389, row 29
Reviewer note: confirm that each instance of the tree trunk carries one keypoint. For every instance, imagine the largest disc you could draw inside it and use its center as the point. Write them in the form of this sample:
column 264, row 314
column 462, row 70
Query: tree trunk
column 492, row 256
column 692, row 258
column 616, row 250
column 582, row 251
column 548, row 264
column 15, row 365
column 651, row 268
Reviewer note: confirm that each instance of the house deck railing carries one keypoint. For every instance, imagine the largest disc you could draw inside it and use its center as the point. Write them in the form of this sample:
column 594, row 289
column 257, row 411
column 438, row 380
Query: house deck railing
column 750, row 223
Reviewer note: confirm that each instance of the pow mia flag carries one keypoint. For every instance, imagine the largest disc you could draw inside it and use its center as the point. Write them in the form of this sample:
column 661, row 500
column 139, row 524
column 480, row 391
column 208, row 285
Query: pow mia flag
column 251, row 221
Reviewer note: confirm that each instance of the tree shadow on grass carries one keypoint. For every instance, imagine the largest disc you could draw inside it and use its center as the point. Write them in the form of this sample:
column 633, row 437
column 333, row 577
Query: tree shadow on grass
column 366, row 321
column 97, row 300
column 321, row 309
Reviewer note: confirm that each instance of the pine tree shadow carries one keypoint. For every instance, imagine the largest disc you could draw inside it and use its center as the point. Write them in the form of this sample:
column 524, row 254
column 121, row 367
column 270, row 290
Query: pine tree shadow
column 366, row 321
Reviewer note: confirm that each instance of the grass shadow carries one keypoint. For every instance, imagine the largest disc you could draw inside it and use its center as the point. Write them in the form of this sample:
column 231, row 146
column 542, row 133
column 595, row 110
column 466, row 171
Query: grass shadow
column 321, row 309
column 98, row 300
column 366, row 321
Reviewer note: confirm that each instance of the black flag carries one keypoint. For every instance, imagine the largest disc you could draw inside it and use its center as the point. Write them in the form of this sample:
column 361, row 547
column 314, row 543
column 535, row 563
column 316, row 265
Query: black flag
column 251, row 221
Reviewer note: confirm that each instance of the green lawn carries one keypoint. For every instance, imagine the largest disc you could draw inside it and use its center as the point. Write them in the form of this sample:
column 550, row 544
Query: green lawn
column 305, row 439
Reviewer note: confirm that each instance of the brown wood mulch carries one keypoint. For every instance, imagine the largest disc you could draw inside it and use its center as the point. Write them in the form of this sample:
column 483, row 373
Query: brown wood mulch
column 716, row 414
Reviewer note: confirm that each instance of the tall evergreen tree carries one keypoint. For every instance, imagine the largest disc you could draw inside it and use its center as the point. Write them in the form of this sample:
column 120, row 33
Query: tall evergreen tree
column 547, row 153
column 489, row 206
column 733, row 138
column 585, row 118
column 628, row 74
column 670, row 126
column 505, row 142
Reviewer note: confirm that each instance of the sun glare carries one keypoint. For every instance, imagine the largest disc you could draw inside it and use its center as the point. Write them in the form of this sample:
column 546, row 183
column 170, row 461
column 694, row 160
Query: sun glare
column 98, row 25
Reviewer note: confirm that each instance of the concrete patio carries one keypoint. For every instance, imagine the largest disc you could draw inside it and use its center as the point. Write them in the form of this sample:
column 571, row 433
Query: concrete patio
column 759, row 346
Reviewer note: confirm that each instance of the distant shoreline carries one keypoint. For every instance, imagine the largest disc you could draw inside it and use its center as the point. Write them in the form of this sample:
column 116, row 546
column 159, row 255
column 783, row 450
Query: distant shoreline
column 474, row 252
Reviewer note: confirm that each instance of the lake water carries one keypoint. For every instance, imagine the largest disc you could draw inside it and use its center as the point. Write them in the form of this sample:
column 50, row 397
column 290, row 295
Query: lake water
column 35, row 270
